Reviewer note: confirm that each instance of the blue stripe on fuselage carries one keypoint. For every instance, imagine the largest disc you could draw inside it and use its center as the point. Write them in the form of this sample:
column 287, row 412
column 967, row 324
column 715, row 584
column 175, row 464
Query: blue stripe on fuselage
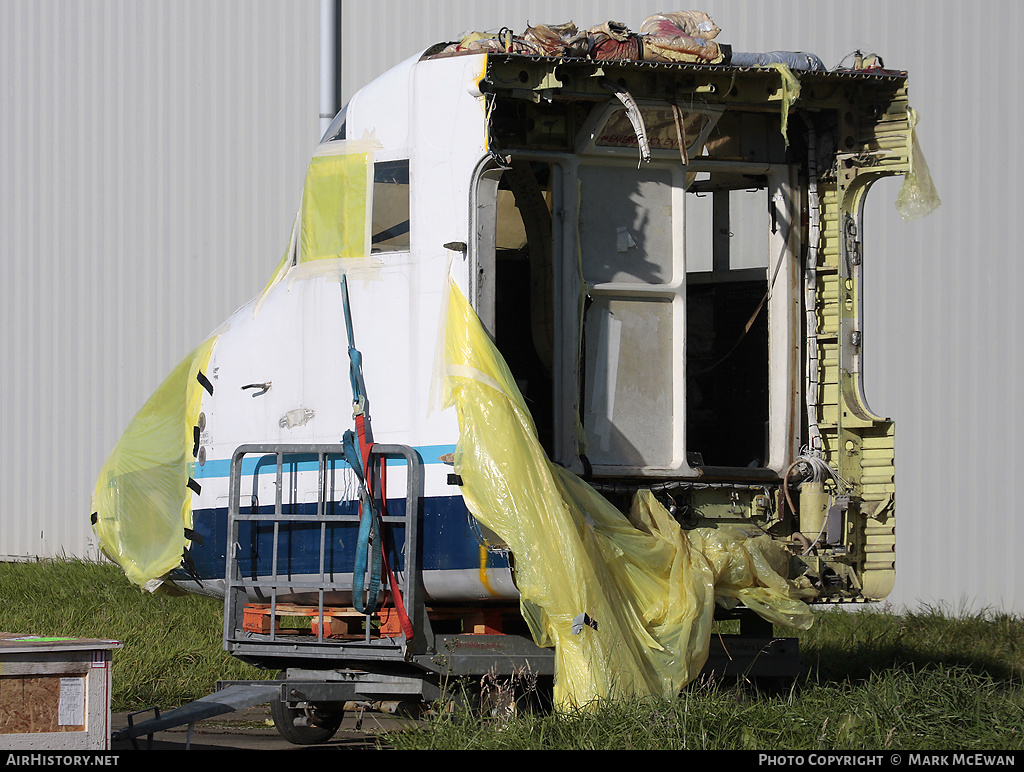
column 448, row 537
column 430, row 454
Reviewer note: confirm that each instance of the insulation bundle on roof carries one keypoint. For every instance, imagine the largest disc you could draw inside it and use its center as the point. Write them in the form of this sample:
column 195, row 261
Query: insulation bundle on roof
column 683, row 36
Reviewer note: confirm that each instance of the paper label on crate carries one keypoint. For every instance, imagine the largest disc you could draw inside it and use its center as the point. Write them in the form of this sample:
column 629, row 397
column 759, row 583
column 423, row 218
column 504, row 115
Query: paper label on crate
column 71, row 706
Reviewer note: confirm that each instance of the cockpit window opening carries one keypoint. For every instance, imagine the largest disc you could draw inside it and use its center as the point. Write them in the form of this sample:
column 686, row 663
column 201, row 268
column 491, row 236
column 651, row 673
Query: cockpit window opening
column 337, row 130
column 390, row 226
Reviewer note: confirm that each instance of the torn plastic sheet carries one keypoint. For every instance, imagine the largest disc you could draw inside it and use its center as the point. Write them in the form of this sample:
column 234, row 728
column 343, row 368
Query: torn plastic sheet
column 918, row 196
column 790, row 93
column 142, row 502
column 645, row 588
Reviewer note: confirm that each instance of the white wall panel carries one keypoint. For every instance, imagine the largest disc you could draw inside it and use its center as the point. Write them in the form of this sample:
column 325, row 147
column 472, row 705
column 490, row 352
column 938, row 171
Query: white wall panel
column 152, row 160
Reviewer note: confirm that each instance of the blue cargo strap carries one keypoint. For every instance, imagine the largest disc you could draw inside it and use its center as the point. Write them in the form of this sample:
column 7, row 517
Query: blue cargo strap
column 364, row 599
column 371, row 537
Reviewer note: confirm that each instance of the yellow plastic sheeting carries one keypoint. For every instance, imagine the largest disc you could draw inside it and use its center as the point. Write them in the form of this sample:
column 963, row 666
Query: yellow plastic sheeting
column 283, row 266
column 334, row 219
column 790, row 93
column 648, row 586
column 335, row 206
column 142, row 502
column 918, row 196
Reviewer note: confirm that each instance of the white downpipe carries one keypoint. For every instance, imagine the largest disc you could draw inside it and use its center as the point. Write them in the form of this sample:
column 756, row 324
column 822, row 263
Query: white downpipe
column 329, row 62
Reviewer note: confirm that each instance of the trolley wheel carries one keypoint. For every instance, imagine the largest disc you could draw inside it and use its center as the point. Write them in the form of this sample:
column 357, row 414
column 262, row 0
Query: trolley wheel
column 322, row 724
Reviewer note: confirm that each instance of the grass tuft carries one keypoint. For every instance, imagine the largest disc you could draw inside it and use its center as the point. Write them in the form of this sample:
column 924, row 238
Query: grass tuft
column 929, row 680
column 933, row 679
column 172, row 645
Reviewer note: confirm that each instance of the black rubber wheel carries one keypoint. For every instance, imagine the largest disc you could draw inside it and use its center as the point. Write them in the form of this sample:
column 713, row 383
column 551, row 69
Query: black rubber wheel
column 327, row 723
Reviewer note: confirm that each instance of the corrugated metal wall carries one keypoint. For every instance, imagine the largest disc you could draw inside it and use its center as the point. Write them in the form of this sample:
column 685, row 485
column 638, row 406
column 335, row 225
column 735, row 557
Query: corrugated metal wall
column 151, row 161
column 153, row 154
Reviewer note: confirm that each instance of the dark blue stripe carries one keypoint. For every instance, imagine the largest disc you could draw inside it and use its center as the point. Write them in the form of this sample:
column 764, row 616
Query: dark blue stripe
column 449, row 539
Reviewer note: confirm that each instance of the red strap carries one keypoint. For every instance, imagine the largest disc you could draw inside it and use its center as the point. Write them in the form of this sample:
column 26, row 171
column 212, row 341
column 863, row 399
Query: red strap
column 364, row 447
column 396, row 593
column 403, row 617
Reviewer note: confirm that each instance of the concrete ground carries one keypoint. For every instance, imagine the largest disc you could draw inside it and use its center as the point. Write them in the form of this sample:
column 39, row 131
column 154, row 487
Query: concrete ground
column 253, row 729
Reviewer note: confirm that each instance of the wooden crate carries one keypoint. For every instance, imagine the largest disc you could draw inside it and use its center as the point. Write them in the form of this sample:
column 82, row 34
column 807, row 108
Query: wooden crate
column 55, row 693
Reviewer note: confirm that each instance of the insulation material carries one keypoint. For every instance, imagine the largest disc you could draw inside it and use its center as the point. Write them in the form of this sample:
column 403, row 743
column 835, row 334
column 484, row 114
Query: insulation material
column 683, row 36
column 142, row 502
column 795, row 60
column 626, row 602
column 694, row 24
column 918, row 196
column 557, row 39
column 676, row 37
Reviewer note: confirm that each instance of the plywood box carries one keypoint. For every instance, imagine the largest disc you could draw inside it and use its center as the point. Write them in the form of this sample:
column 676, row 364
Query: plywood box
column 55, row 692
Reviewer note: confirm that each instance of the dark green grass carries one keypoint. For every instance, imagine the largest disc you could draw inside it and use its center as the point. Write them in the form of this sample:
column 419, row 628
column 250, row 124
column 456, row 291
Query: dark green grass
column 933, row 680
column 937, row 708
column 171, row 645
column 938, row 679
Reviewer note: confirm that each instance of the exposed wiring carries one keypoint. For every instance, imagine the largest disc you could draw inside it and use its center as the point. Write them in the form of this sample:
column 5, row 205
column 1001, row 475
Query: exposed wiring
column 818, row 471
column 810, row 290
column 857, row 56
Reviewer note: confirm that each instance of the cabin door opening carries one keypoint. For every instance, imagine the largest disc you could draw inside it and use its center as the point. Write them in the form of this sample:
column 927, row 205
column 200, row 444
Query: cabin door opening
column 522, row 325
column 728, row 228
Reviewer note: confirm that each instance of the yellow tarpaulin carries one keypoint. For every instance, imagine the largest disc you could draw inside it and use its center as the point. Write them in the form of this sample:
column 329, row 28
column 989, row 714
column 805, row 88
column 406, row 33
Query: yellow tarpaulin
column 334, row 219
column 626, row 602
column 142, row 502
column 335, row 202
